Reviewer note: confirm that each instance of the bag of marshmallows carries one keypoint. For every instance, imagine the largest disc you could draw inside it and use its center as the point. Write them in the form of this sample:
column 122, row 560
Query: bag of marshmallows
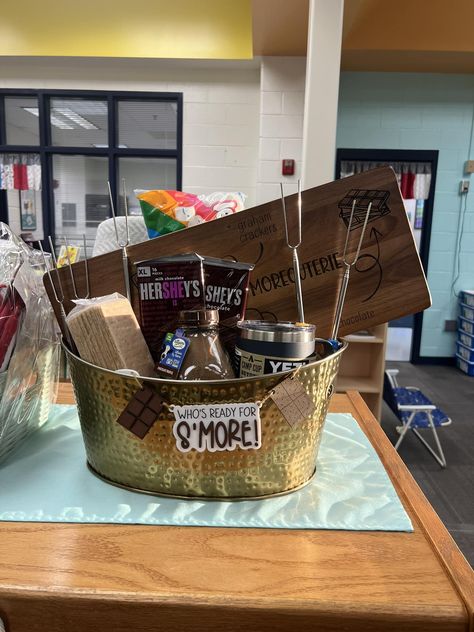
column 168, row 211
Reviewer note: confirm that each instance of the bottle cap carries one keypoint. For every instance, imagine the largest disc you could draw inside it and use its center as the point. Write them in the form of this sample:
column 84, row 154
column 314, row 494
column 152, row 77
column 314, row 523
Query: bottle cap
column 199, row 317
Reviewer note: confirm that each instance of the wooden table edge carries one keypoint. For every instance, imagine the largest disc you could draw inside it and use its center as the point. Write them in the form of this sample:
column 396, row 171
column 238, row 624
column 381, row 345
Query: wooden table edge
column 346, row 611
column 450, row 557
column 455, row 564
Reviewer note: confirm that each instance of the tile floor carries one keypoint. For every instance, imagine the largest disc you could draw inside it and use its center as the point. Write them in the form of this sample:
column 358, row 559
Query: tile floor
column 450, row 490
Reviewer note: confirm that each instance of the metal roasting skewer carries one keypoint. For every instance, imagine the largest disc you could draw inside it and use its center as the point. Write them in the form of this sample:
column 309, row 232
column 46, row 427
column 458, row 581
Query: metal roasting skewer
column 86, row 267
column 71, row 270
column 348, row 265
column 58, row 299
column 122, row 243
column 125, row 203
column 71, row 273
column 294, row 249
column 55, row 265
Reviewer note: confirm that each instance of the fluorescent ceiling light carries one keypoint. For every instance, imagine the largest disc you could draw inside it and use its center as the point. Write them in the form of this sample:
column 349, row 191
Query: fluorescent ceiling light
column 100, row 146
column 57, row 122
column 68, row 114
column 75, row 117
column 33, row 111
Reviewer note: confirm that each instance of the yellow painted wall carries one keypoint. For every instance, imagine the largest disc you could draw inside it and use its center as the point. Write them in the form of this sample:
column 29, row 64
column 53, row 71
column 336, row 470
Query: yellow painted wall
column 194, row 29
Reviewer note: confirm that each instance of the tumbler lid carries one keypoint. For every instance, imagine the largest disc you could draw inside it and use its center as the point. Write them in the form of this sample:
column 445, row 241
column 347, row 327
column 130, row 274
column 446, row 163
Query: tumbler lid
column 283, row 331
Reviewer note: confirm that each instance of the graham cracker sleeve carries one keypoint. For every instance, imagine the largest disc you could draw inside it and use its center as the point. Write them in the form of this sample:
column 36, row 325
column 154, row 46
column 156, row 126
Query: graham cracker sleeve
column 106, row 333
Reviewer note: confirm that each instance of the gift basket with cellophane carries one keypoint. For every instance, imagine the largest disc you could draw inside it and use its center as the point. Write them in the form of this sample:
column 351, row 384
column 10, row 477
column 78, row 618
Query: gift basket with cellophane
column 29, row 343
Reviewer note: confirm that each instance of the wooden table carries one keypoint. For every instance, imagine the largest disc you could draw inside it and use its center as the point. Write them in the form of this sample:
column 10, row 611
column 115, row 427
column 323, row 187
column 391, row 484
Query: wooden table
column 91, row 578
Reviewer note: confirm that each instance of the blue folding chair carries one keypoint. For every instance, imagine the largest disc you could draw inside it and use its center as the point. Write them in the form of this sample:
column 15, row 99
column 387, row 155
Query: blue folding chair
column 415, row 411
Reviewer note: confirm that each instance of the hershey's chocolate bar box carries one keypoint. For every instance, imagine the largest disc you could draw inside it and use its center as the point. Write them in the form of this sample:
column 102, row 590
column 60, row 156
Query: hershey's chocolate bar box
column 184, row 282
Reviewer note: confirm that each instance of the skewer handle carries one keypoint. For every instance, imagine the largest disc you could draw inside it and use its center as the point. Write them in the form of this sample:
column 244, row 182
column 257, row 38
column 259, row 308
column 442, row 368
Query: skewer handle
column 340, row 302
column 126, row 277
column 299, row 292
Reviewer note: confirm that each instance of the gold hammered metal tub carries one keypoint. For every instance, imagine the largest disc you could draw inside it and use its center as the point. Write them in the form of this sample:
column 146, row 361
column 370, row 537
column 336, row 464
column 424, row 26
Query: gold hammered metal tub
column 285, row 461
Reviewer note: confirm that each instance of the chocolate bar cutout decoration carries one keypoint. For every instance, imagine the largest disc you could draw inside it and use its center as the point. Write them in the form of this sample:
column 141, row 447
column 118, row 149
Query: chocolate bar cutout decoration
column 363, row 198
column 292, row 401
column 141, row 412
column 388, row 281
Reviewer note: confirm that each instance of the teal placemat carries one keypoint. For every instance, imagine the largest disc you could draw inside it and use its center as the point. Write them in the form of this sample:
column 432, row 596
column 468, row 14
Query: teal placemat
column 47, row 480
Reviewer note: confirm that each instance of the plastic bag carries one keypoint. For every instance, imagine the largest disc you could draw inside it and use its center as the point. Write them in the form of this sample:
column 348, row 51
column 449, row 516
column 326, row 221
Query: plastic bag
column 29, row 342
column 169, row 211
column 80, row 304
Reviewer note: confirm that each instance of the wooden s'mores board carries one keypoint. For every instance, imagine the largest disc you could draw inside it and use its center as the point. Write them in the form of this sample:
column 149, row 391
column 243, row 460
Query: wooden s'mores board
column 387, row 282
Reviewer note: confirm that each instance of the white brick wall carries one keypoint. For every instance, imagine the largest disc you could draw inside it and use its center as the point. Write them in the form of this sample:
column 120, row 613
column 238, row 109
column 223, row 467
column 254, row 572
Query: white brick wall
column 239, row 120
column 220, row 129
column 221, row 108
column 281, row 123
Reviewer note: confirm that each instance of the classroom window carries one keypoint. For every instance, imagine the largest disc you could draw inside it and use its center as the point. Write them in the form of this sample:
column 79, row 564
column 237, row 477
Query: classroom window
column 74, row 142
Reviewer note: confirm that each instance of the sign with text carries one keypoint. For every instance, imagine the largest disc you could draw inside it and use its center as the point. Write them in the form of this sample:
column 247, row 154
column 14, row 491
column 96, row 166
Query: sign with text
column 217, row 427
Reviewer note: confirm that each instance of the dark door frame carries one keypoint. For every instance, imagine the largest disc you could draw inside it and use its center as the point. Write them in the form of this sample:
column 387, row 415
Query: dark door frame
column 384, row 156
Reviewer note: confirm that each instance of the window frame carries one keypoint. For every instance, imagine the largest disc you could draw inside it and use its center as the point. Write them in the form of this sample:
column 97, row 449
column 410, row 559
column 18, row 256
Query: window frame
column 113, row 153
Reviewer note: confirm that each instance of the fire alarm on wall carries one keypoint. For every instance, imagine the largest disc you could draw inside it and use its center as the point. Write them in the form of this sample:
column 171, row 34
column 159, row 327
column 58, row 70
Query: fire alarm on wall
column 288, row 167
